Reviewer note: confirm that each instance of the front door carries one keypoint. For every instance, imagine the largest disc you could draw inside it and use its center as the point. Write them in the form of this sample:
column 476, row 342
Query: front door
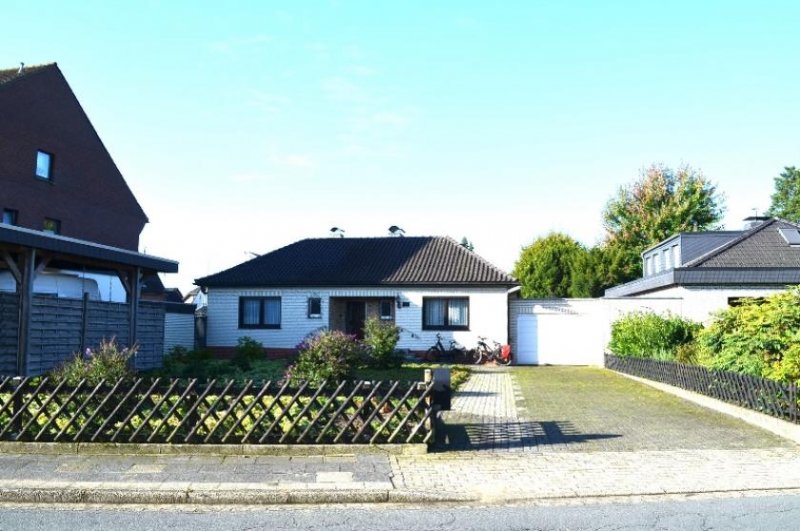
column 355, row 314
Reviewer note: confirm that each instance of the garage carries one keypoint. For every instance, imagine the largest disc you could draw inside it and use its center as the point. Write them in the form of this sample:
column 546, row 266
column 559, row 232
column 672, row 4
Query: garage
column 558, row 332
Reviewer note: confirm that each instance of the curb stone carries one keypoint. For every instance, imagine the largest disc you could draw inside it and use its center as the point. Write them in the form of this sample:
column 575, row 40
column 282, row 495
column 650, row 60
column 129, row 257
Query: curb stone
column 138, row 496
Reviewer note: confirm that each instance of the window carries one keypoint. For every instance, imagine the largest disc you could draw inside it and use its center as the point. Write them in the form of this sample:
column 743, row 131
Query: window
column 10, row 216
column 656, row 263
column 314, row 308
column 386, row 309
column 648, row 267
column 676, row 256
column 445, row 313
column 44, row 165
column 259, row 312
column 667, row 256
column 52, row 226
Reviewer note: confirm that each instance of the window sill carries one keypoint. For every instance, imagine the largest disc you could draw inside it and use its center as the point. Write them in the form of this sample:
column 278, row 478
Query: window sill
column 447, row 328
column 259, row 327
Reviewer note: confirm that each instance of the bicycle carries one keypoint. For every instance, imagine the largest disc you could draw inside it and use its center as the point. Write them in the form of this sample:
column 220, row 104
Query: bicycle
column 439, row 353
column 501, row 354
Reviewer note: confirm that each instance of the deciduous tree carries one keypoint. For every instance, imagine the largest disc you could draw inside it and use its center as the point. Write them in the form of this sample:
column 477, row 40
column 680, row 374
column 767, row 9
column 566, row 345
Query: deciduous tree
column 786, row 197
column 660, row 203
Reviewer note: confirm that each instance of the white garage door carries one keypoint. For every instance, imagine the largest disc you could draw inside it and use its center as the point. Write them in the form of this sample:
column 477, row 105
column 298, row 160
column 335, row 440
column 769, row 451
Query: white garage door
column 557, row 339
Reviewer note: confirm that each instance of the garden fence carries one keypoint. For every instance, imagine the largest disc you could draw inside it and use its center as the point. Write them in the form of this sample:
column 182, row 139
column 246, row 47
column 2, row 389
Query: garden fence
column 215, row 412
column 765, row 396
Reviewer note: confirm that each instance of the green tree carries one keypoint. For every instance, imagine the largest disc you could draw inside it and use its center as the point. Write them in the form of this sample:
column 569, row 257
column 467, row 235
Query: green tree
column 596, row 270
column 660, row 203
column 546, row 267
column 786, row 198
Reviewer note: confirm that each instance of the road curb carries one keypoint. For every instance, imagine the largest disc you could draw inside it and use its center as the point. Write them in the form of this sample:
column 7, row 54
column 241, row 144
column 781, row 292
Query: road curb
column 134, row 496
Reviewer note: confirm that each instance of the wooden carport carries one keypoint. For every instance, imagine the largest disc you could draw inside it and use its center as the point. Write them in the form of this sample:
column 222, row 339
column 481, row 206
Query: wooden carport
column 25, row 253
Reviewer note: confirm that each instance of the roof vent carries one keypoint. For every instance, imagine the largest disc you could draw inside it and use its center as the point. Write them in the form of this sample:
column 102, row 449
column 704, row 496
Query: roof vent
column 21, row 69
column 754, row 221
column 396, row 231
column 792, row 236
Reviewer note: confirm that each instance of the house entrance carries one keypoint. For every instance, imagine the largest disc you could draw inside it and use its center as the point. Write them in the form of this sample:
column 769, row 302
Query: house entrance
column 355, row 314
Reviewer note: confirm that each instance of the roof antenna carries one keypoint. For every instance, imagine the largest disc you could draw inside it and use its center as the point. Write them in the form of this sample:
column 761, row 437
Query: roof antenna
column 21, row 69
column 396, row 231
column 337, row 231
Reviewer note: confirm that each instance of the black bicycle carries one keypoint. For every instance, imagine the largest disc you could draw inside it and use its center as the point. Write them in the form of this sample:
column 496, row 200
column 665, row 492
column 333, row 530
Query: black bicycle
column 438, row 352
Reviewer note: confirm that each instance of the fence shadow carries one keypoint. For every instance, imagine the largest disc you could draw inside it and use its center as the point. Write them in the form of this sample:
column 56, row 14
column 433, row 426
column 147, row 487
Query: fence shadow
column 510, row 435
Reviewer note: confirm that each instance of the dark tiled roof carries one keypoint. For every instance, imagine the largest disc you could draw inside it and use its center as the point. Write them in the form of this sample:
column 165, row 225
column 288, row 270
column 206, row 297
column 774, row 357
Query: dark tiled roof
column 761, row 246
column 427, row 261
column 10, row 74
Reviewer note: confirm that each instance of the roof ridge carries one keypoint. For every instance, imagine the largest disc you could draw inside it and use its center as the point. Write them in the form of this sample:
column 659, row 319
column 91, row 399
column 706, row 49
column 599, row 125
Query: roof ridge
column 9, row 75
column 736, row 241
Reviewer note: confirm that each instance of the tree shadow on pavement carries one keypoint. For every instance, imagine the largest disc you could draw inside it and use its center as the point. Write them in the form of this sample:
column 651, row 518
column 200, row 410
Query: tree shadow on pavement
column 501, row 434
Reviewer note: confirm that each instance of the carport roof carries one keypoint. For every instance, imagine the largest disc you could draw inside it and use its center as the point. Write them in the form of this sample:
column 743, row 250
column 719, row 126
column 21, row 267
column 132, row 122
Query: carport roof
column 73, row 247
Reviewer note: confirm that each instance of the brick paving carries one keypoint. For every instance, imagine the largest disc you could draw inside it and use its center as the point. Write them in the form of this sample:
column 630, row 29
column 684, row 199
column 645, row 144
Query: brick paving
column 523, row 433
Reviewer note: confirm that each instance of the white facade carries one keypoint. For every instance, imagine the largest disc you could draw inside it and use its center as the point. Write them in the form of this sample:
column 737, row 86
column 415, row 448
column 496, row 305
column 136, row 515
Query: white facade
column 699, row 303
column 488, row 315
column 178, row 330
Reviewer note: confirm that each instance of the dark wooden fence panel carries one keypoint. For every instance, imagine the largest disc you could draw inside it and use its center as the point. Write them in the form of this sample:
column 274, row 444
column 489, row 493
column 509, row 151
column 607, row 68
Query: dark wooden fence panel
column 215, row 412
column 150, row 335
column 55, row 331
column 9, row 332
column 759, row 394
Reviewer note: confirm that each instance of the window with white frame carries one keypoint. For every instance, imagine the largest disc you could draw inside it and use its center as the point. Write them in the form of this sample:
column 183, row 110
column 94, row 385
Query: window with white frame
column 656, row 263
column 445, row 313
column 259, row 312
column 667, row 256
column 676, row 256
column 648, row 265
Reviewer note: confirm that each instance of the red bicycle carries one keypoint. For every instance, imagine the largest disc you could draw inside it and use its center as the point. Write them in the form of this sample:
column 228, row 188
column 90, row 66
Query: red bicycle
column 484, row 354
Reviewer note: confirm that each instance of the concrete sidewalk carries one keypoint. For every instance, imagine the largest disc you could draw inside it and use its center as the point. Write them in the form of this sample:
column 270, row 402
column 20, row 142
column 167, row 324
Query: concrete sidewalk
column 204, row 479
column 495, row 453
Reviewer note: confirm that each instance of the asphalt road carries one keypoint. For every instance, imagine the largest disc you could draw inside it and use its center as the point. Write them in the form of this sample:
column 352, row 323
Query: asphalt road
column 777, row 512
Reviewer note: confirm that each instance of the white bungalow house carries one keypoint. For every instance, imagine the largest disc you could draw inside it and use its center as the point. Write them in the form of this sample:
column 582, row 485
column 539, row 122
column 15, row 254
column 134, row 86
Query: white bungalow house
column 426, row 285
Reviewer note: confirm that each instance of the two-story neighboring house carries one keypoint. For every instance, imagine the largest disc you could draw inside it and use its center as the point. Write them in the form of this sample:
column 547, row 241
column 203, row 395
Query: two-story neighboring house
column 67, row 217
column 709, row 270
column 56, row 174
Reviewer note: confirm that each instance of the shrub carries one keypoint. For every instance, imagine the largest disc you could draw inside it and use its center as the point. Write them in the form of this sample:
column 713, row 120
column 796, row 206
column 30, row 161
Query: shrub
column 649, row 335
column 247, row 351
column 760, row 337
column 180, row 362
column 106, row 362
column 380, row 340
column 330, row 355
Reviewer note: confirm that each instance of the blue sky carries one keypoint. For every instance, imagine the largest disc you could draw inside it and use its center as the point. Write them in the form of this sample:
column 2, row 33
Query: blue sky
column 247, row 127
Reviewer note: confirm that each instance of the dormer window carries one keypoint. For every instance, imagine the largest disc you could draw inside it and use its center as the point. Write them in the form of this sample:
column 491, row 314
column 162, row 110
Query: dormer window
column 44, row 165
column 667, row 263
column 657, row 263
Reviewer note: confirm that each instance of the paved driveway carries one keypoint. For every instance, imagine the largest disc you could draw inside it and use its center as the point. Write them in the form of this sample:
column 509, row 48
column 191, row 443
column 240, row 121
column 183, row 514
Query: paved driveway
column 580, row 409
column 552, row 432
